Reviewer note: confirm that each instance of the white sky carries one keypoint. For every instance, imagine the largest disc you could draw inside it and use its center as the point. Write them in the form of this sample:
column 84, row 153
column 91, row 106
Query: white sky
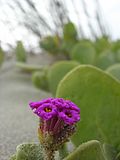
column 111, row 12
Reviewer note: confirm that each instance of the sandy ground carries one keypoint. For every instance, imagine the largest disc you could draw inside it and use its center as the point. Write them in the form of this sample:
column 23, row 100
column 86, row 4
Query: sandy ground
column 17, row 122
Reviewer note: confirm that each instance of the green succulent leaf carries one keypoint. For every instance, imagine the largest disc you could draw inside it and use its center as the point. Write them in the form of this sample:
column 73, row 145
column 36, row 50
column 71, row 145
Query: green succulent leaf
column 90, row 150
column 98, row 96
column 69, row 38
column 29, row 152
column 83, row 52
column 29, row 67
column 58, row 71
column 69, row 32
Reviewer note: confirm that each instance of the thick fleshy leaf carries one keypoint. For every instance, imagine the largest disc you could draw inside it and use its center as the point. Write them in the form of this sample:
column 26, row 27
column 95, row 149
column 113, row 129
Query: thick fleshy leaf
column 90, row 150
column 98, row 96
column 29, row 152
column 69, row 32
column 83, row 52
column 29, row 67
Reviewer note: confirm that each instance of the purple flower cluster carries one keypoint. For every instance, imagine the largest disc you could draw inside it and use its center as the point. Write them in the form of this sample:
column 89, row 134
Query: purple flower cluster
column 56, row 108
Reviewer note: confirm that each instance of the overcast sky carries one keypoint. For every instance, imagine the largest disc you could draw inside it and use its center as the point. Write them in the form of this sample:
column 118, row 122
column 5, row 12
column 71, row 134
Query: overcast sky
column 111, row 15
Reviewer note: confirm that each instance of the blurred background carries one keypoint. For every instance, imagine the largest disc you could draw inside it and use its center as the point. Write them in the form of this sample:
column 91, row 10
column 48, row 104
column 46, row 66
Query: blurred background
column 30, row 20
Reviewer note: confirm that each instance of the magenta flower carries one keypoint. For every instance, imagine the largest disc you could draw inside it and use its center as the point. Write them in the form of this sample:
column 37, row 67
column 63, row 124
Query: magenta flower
column 70, row 117
column 46, row 111
column 57, row 118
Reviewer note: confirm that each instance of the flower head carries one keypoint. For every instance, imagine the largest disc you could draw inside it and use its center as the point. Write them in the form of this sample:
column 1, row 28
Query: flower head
column 56, row 107
column 57, row 118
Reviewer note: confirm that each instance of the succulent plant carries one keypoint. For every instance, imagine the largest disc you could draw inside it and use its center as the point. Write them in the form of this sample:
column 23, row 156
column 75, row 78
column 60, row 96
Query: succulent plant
column 50, row 44
column 69, row 38
column 98, row 96
column 83, row 52
column 21, row 55
column 114, row 70
column 57, row 71
column 87, row 151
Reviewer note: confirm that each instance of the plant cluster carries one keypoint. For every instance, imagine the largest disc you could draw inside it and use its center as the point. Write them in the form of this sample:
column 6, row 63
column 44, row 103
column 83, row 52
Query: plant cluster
column 90, row 78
